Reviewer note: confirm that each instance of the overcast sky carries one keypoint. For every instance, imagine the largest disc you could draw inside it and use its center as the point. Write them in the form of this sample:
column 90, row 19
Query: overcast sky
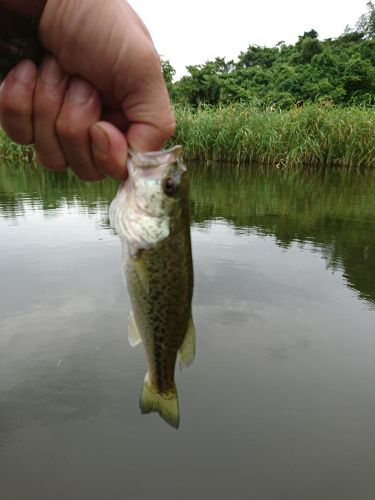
column 194, row 31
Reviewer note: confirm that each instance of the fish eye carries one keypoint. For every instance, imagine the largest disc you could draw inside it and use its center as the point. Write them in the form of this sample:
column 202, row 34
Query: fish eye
column 169, row 186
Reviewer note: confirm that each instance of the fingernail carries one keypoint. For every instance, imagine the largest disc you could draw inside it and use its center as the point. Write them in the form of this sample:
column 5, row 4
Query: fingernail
column 100, row 140
column 50, row 72
column 79, row 90
column 25, row 72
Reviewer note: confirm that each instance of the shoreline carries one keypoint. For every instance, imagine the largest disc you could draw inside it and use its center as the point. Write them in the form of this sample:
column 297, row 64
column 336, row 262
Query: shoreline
column 307, row 136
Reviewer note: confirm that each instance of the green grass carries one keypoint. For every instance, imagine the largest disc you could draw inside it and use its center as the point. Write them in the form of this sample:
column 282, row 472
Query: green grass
column 11, row 151
column 312, row 135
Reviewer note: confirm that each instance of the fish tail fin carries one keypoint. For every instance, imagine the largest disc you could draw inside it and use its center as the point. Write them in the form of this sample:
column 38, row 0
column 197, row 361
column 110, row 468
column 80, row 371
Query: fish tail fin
column 165, row 404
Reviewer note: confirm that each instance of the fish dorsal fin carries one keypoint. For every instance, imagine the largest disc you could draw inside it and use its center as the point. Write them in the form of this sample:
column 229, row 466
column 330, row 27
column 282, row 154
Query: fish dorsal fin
column 134, row 336
column 187, row 349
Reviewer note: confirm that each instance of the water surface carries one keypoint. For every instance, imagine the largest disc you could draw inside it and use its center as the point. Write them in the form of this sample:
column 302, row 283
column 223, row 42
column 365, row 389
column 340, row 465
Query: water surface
column 280, row 401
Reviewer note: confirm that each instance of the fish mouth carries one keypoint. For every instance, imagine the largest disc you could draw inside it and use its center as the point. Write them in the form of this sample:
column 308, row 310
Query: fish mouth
column 155, row 164
column 153, row 159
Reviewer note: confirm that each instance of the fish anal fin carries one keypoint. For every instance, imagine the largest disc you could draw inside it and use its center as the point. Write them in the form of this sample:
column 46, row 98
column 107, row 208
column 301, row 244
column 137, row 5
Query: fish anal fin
column 187, row 349
column 164, row 404
column 134, row 336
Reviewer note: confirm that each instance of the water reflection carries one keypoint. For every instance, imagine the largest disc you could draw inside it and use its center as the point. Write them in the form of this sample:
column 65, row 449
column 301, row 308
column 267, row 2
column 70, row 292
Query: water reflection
column 335, row 211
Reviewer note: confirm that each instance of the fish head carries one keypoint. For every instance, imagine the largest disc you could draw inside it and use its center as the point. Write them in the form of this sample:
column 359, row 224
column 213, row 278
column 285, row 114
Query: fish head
column 158, row 181
column 150, row 203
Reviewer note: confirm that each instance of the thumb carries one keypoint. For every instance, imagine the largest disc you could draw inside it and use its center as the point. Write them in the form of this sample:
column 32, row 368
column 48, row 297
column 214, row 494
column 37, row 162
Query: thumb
column 146, row 106
column 148, row 137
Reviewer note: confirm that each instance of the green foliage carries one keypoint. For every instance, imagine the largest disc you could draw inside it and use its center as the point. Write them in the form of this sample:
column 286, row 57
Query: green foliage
column 168, row 73
column 207, row 83
column 306, row 48
column 341, row 69
column 262, row 57
column 11, row 151
column 311, row 135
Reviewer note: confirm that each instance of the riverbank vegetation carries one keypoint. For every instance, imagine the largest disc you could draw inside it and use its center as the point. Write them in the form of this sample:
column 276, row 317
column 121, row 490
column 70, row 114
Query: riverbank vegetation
column 311, row 103
column 307, row 104
column 312, row 135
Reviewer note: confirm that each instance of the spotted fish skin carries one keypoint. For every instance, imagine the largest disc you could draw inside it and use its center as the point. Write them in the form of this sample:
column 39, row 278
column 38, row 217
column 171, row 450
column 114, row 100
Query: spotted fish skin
column 151, row 215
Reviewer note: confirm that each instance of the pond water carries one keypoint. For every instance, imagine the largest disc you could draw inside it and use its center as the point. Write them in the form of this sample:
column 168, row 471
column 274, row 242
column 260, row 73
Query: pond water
column 279, row 403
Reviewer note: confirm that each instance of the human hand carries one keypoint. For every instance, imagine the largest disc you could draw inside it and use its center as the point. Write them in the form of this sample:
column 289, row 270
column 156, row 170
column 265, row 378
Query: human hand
column 100, row 93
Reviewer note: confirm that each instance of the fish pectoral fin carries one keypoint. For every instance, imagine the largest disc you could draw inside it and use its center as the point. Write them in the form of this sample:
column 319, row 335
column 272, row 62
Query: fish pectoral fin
column 141, row 271
column 134, row 336
column 187, row 349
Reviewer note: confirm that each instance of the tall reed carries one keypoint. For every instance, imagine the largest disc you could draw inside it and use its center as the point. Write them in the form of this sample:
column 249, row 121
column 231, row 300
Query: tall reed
column 310, row 135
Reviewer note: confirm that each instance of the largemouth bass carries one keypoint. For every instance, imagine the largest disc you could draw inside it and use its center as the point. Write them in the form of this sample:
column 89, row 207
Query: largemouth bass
column 150, row 213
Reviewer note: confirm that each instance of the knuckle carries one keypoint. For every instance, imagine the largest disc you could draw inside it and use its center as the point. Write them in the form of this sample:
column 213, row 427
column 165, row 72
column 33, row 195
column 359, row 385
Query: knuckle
column 16, row 110
column 19, row 135
column 150, row 63
column 170, row 126
column 13, row 109
column 167, row 127
column 68, row 130
column 43, row 113
column 19, row 131
column 149, row 55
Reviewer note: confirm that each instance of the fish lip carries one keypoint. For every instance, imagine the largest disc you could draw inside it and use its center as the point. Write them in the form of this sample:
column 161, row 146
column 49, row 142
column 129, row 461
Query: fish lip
column 152, row 159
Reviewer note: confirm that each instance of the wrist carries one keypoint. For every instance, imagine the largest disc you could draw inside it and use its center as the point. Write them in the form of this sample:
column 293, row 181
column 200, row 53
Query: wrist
column 18, row 32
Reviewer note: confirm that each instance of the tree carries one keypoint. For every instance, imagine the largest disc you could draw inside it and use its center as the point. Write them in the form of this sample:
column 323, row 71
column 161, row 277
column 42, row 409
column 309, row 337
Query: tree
column 341, row 69
column 168, row 73
column 205, row 82
column 366, row 23
column 307, row 46
column 258, row 56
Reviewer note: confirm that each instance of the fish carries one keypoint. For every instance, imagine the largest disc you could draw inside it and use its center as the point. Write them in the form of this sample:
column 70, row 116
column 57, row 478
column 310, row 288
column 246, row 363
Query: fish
column 151, row 214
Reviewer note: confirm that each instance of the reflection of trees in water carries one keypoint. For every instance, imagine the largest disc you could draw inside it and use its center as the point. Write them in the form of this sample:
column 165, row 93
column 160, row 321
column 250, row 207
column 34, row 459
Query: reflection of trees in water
column 335, row 211
column 347, row 244
column 32, row 186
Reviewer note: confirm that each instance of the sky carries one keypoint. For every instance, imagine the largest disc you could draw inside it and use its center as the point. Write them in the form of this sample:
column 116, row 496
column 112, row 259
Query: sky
column 189, row 32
